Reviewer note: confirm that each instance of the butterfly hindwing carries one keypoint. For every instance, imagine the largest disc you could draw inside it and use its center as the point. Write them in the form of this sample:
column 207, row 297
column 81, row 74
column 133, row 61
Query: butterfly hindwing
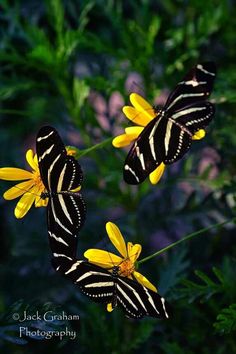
column 195, row 117
column 66, row 216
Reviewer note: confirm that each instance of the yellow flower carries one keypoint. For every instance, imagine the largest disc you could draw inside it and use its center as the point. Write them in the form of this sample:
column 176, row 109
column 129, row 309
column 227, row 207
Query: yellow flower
column 126, row 262
column 30, row 190
column 142, row 113
column 70, row 151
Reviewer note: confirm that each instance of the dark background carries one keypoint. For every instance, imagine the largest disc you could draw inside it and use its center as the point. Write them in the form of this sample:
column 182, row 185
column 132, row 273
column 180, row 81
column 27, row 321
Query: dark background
column 72, row 64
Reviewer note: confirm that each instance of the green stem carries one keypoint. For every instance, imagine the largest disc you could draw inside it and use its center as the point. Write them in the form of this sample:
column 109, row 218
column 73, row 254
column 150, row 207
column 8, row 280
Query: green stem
column 95, row 147
column 188, row 237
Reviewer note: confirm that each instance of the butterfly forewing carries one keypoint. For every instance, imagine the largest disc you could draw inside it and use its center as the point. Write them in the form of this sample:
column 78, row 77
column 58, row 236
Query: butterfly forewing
column 144, row 155
column 93, row 281
column 60, row 174
column 195, row 87
column 169, row 135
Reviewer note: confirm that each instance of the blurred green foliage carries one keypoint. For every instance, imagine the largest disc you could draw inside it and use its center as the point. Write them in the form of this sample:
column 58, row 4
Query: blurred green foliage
column 54, row 56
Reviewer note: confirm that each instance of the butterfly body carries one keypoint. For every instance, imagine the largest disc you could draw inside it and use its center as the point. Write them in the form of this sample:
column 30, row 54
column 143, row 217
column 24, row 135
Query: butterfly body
column 106, row 287
column 168, row 136
column 60, row 174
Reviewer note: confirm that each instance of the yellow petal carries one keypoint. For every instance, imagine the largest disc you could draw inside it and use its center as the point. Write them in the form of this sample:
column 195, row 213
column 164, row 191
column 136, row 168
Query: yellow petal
column 133, row 251
column 144, row 281
column 116, row 238
column 109, row 307
column 18, row 190
column 103, row 258
column 134, row 131
column 122, row 140
column 24, row 205
column 139, row 102
column 36, row 160
column 14, row 174
column 200, row 134
column 131, row 134
column 141, row 105
column 39, row 202
column 70, row 151
column 156, row 175
column 140, row 118
column 77, row 189
column 30, row 159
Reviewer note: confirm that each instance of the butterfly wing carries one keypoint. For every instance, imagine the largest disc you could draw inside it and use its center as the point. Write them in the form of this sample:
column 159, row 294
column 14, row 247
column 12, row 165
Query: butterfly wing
column 138, row 301
column 176, row 143
column 66, row 216
column 101, row 286
column 168, row 137
column 195, row 87
column 182, row 125
column 93, row 281
column 195, row 117
column 145, row 155
column 59, row 172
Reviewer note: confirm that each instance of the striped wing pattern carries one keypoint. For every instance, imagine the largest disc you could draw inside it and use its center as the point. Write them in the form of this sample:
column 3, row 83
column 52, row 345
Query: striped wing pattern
column 60, row 174
column 102, row 286
column 143, row 155
column 196, row 87
column 169, row 135
column 66, row 215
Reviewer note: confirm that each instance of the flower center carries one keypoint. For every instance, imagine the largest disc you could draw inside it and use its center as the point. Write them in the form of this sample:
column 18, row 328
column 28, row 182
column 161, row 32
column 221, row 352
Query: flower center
column 38, row 181
column 126, row 268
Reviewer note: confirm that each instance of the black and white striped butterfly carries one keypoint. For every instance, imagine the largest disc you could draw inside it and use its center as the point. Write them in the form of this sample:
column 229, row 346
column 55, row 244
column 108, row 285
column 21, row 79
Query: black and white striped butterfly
column 61, row 174
column 102, row 286
column 169, row 135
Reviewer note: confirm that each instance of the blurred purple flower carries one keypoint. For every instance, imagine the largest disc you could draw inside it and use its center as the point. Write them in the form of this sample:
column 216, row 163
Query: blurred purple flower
column 134, row 83
column 109, row 114
column 159, row 240
column 210, row 158
column 161, row 99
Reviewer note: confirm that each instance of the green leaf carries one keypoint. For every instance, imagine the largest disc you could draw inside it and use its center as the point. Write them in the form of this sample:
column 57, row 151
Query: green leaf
column 174, row 348
column 206, row 288
column 174, row 271
column 80, row 93
column 56, row 15
column 83, row 18
column 226, row 320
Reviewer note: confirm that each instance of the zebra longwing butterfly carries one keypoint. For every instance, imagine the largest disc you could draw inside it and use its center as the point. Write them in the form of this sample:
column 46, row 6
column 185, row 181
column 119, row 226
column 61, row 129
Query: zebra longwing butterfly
column 102, row 286
column 169, row 135
column 66, row 210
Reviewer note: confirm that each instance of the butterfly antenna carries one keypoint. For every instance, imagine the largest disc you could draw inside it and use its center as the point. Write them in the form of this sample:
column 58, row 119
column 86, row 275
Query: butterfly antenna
column 154, row 110
column 137, row 88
